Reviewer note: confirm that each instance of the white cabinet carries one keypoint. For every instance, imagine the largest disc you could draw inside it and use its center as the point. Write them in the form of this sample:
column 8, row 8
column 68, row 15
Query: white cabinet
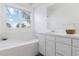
column 63, row 46
column 42, row 44
column 50, row 46
column 46, row 44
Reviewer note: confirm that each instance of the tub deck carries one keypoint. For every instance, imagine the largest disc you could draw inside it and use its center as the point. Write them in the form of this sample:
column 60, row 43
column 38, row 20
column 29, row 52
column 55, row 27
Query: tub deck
column 19, row 48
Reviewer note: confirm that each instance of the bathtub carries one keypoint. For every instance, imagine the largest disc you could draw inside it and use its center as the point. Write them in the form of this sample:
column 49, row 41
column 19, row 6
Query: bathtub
column 19, row 46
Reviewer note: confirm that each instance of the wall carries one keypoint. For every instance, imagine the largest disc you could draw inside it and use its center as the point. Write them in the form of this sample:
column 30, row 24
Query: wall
column 62, row 16
column 40, row 17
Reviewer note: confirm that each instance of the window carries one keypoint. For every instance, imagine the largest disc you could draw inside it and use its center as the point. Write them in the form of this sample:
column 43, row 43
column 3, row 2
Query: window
column 17, row 18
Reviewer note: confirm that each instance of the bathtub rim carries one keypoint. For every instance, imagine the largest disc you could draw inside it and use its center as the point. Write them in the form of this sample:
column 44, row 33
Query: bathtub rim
column 18, row 44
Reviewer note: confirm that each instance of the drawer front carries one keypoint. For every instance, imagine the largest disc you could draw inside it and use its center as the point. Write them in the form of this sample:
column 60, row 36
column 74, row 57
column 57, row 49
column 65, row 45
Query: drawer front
column 65, row 50
column 63, row 40
column 75, row 43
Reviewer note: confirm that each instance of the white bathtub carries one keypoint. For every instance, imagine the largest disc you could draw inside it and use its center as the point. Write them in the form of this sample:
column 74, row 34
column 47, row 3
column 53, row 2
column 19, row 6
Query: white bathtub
column 18, row 46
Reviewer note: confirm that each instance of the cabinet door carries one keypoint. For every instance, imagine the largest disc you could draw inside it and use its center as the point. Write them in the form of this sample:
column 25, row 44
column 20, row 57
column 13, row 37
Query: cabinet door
column 50, row 46
column 63, row 49
column 76, row 43
column 75, row 51
column 42, row 44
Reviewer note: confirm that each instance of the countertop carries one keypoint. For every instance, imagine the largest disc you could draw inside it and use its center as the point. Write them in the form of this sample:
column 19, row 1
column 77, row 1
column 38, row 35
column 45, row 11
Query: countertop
column 72, row 36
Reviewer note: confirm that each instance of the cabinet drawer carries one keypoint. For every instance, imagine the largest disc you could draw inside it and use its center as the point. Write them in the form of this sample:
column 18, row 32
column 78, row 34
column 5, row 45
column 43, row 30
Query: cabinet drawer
column 63, row 49
column 63, row 40
column 75, row 43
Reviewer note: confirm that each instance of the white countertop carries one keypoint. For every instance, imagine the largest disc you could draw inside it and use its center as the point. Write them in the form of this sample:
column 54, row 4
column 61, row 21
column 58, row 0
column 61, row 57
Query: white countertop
column 73, row 36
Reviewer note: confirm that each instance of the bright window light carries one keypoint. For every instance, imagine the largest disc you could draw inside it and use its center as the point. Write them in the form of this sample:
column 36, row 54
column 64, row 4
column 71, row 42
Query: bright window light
column 11, row 11
column 16, row 16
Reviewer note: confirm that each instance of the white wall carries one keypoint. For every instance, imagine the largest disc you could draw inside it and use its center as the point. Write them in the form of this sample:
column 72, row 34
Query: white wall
column 40, row 17
column 62, row 16
column 40, row 20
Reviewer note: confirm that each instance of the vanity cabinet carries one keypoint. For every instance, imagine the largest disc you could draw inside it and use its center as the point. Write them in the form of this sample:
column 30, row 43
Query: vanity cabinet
column 50, row 45
column 63, row 46
column 54, row 45
column 66, row 46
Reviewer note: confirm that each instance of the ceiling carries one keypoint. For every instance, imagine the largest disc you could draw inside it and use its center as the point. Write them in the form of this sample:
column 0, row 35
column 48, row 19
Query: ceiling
column 27, row 6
